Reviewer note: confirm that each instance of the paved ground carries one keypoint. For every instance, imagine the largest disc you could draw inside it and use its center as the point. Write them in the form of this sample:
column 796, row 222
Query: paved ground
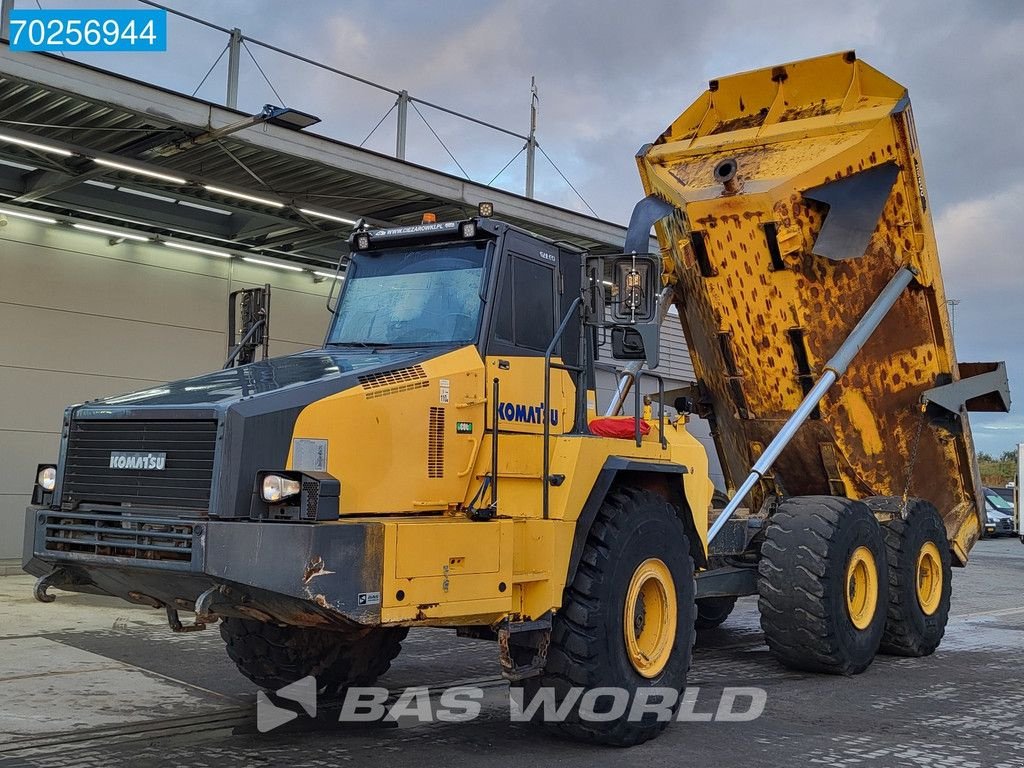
column 93, row 682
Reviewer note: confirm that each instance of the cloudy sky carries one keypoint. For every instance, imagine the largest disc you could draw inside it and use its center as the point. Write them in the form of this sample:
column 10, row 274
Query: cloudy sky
column 612, row 75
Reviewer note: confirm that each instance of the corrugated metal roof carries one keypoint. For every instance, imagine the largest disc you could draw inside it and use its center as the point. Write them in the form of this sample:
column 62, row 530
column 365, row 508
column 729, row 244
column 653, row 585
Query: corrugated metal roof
column 89, row 112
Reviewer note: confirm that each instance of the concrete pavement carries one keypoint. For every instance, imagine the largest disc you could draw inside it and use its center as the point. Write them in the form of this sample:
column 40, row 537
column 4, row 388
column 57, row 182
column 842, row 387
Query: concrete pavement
column 88, row 681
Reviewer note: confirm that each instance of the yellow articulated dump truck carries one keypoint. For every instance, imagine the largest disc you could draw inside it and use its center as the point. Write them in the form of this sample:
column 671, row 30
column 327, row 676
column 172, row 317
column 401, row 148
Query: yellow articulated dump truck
column 442, row 460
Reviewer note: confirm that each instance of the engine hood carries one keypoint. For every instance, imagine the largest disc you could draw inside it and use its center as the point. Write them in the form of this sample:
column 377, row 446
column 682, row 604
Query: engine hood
column 255, row 406
column 294, row 380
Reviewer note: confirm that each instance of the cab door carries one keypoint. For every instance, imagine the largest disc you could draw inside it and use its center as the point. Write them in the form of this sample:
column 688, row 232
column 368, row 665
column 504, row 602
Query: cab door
column 525, row 317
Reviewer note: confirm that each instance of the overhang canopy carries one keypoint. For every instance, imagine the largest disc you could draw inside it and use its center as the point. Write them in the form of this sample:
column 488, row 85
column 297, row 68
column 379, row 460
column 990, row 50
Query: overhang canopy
column 308, row 188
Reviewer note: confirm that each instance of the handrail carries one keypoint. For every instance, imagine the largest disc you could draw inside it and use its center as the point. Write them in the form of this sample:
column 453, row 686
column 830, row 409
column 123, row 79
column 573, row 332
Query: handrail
column 238, row 348
column 548, row 365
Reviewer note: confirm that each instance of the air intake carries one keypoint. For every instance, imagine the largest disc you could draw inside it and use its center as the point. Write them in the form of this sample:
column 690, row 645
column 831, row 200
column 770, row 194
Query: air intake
column 435, row 443
column 392, row 382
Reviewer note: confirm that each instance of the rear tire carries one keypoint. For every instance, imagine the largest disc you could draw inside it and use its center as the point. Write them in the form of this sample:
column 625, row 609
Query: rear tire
column 823, row 587
column 713, row 611
column 920, row 578
column 636, row 571
column 274, row 656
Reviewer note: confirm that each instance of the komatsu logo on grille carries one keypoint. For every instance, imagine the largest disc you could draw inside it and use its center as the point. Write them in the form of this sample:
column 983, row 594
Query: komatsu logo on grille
column 137, row 460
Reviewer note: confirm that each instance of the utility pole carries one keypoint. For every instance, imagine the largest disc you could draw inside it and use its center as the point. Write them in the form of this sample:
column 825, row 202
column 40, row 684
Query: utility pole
column 531, row 142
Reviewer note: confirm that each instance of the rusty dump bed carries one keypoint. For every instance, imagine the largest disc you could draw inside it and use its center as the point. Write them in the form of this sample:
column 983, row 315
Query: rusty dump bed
column 799, row 194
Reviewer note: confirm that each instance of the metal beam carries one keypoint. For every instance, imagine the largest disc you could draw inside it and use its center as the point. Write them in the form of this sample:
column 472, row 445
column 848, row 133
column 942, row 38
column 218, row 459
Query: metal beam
column 234, row 60
column 6, row 6
column 40, row 184
column 403, row 122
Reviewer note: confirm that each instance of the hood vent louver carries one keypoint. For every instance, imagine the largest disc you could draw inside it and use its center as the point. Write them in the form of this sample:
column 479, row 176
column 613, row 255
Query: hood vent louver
column 392, row 382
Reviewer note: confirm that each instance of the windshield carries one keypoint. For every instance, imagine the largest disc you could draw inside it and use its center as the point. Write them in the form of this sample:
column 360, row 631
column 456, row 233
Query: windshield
column 410, row 297
column 998, row 501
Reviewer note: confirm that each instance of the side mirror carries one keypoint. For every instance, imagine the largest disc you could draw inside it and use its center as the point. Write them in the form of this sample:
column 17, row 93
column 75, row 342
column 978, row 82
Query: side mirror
column 627, row 343
column 636, row 279
column 637, row 342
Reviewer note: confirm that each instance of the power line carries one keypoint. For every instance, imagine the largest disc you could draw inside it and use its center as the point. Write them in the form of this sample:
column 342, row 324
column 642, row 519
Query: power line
column 374, row 129
column 439, row 139
column 212, row 66
column 567, row 181
column 280, row 100
column 507, row 165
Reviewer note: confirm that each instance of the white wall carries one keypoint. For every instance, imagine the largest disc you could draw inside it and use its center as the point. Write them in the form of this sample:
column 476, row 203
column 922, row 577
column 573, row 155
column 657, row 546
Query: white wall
column 80, row 318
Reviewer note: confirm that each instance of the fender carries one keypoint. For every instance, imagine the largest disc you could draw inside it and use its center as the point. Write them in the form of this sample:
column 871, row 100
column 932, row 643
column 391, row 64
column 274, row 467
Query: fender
column 661, row 477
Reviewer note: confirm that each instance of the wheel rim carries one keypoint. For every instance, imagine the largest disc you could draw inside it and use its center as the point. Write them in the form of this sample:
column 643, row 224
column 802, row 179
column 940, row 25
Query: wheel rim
column 649, row 617
column 929, row 578
column 861, row 587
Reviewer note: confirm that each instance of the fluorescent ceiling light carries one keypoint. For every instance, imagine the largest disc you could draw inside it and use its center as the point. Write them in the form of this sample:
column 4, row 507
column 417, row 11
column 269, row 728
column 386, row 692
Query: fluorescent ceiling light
column 140, row 193
column 330, row 216
column 22, row 166
column 196, row 249
column 251, row 260
column 243, row 196
column 35, row 145
column 29, row 216
column 329, row 275
column 140, row 171
column 209, row 208
column 94, row 183
column 111, row 233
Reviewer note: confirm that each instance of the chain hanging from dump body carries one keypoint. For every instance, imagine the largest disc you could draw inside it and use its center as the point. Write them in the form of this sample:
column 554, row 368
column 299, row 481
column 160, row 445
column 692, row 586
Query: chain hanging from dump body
column 913, row 460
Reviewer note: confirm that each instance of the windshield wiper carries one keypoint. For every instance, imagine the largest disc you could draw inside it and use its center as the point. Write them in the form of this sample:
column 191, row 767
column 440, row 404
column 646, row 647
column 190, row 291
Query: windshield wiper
column 362, row 344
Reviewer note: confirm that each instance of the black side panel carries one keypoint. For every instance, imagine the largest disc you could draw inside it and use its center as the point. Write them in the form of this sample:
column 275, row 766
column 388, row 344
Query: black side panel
column 253, row 442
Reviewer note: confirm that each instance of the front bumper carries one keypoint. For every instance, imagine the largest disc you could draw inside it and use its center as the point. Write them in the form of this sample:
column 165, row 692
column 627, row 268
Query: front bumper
column 307, row 574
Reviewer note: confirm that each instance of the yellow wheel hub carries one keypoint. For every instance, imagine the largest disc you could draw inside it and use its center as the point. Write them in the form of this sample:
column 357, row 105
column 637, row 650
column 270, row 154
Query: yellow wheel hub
column 861, row 587
column 650, row 616
column 929, row 578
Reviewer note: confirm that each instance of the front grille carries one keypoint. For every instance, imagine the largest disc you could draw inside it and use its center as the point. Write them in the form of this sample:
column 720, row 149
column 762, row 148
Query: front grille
column 184, row 481
column 123, row 536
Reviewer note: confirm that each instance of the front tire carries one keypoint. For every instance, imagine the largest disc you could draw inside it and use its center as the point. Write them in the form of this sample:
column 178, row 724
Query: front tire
column 274, row 656
column 627, row 621
column 920, row 578
column 822, row 585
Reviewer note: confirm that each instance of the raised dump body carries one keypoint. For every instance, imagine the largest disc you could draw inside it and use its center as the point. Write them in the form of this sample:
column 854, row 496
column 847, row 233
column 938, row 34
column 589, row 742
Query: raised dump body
column 800, row 193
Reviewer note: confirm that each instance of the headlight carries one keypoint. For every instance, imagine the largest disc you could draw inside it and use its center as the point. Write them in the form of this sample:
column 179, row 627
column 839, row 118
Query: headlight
column 47, row 478
column 277, row 488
